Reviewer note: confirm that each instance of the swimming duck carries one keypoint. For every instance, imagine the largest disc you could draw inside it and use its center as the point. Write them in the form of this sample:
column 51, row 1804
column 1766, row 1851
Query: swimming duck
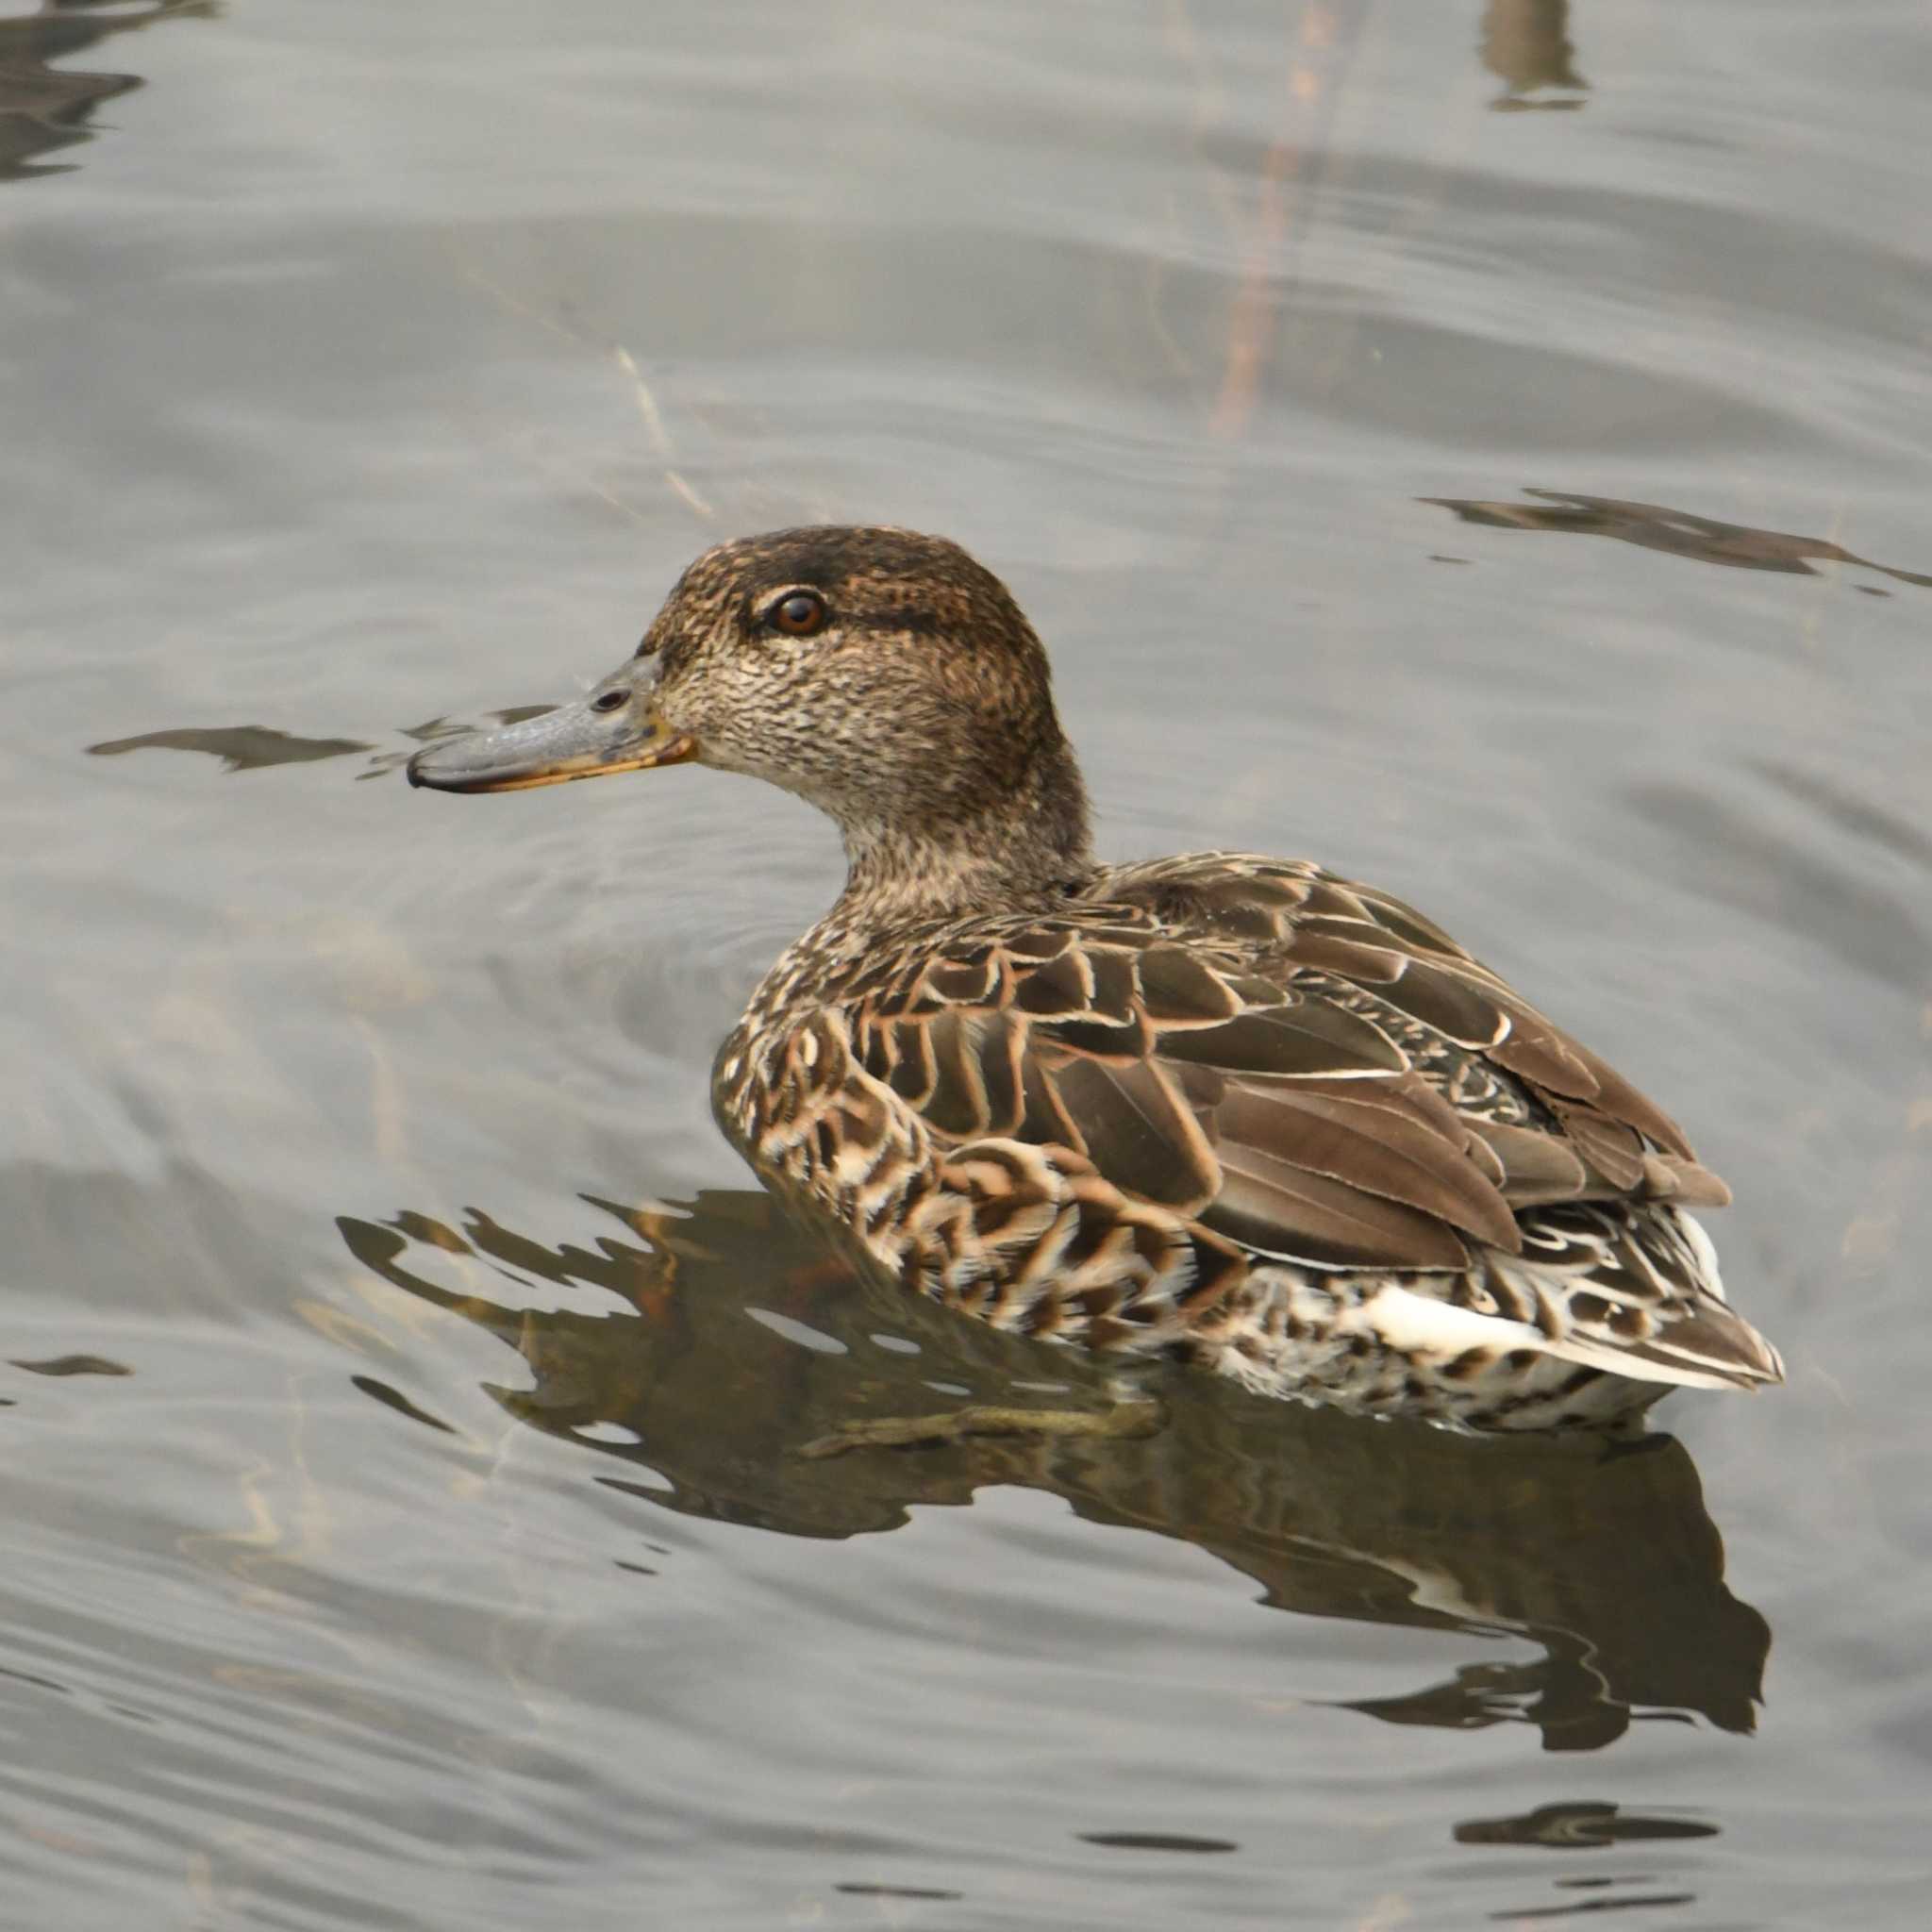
column 1224, row 1107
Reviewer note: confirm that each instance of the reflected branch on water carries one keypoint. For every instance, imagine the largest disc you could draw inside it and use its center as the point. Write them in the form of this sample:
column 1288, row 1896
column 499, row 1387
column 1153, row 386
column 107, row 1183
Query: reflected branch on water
column 44, row 109
column 1655, row 527
column 1297, row 164
column 557, row 318
column 1600, row 1553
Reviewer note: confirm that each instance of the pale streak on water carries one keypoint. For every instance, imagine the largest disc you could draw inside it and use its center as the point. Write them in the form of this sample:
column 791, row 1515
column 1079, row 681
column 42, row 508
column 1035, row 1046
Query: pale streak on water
column 1481, row 446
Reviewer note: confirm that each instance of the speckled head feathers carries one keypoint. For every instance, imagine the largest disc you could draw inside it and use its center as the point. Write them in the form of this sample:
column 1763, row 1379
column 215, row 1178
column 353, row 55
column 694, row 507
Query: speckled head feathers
column 893, row 681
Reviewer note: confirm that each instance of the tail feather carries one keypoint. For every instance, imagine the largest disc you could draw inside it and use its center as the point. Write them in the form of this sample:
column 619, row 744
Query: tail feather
column 1634, row 1291
column 1695, row 1352
column 1711, row 1340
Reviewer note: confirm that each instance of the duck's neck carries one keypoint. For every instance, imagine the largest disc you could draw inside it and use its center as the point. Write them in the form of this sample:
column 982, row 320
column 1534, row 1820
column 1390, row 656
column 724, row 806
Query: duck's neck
column 1020, row 850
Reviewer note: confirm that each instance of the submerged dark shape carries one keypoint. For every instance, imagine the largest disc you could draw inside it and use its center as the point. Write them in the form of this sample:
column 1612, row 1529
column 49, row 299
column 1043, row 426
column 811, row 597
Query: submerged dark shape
column 1224, row 1107
column 1597, row 1554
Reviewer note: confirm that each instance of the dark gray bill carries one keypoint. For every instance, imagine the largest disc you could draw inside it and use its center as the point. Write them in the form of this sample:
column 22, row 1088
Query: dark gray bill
column 589, row 738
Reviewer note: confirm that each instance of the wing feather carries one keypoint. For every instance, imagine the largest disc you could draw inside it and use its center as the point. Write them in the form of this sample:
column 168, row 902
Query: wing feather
column 1307, row 1068
column 1375, row 1144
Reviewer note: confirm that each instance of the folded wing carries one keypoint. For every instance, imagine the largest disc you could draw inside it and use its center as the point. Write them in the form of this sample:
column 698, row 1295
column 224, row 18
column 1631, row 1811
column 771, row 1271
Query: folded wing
column 1302, row 1067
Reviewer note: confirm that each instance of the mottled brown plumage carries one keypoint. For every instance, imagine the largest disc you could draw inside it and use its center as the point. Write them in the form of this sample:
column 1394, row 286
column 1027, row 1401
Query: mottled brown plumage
column 1220, row 1105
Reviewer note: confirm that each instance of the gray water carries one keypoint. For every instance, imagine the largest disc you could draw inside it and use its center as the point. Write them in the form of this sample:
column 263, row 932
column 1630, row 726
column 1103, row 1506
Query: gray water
column 1483, row 447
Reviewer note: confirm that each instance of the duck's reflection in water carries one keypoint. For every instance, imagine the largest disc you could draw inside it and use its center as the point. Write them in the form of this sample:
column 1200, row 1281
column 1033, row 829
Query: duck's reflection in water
column 743, row 1343
column 44, row 107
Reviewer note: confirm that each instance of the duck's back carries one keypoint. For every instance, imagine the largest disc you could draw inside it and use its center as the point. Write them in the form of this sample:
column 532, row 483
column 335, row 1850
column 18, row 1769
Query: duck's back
column 1242, row 1109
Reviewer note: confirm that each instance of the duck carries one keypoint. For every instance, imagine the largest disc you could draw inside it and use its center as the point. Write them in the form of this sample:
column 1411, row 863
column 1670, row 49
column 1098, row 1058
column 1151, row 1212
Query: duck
column 1222, row 1108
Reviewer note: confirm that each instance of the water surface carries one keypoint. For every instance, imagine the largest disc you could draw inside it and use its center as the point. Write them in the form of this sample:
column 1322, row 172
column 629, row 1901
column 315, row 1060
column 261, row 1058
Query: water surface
column 1482, row 446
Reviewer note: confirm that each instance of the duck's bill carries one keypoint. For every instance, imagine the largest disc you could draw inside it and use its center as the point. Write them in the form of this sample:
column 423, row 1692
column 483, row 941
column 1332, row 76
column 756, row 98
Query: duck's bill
column 575, row 741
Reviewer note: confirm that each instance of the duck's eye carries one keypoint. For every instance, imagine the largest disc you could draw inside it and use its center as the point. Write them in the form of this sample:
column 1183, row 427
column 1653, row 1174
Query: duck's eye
column 800, row 614
column 610, row 701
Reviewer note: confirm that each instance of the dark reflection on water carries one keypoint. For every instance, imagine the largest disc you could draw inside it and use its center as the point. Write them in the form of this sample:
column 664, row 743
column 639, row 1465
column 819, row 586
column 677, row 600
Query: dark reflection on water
column 1526, row 44
column 43, row 110
column 1584, row 1825
column 896, row 1891
column 240, row 747
column 1600, row 1553
column 1655, row 526
column 256, row 747
column 1157, row 1842
column 395, row 1399
column 1523, row 1914
column 74, row 1365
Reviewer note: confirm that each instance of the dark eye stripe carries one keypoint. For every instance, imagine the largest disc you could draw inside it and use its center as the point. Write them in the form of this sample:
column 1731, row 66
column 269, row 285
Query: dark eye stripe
column 915, row 624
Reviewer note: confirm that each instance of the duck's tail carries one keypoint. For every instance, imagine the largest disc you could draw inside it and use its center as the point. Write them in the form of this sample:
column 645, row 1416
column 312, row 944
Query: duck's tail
column 1607, row 1306
column 1634, row 1290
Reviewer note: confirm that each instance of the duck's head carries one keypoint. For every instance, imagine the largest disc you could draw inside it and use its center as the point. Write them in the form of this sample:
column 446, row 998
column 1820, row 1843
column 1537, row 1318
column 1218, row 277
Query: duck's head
column 883, row 675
